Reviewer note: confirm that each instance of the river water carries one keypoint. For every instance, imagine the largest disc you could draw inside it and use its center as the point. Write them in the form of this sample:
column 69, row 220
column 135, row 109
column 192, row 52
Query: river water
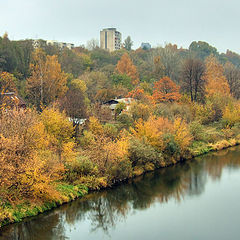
column 195, row 200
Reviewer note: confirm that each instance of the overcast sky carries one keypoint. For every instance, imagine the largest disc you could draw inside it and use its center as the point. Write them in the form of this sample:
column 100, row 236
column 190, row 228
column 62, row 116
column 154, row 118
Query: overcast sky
column 154, row 21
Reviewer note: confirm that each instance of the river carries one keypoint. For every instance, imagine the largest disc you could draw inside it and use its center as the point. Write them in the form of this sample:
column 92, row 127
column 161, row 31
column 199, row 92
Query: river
column 195, row 200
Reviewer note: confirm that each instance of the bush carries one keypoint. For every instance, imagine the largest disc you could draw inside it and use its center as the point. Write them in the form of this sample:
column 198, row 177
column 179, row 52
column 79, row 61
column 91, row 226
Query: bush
column 92, row 182
column 231, row 115
column 125, row 120
column 182, row 135
column 110, row 130
column 197, row 130
column 141, row 153
column 120, row 171
column 173, row 110
column 152, row 130
column 119, row 108
column 203, row 113
column 171, row 146
column 80, row 166
column 212, row 110
column 139, row 110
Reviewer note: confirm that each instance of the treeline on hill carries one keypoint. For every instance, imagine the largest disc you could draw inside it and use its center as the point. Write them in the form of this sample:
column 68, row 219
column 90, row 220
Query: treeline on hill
column 185, row 103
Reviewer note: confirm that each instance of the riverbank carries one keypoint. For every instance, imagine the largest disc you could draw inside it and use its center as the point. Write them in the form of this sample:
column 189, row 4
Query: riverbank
column 70, row 192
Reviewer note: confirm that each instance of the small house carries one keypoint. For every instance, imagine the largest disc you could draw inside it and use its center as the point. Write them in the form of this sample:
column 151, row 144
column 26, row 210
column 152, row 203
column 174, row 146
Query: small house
column 114, row 102
column 11, row 100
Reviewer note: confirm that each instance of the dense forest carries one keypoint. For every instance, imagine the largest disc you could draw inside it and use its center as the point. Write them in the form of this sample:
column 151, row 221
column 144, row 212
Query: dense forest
column 66, row 140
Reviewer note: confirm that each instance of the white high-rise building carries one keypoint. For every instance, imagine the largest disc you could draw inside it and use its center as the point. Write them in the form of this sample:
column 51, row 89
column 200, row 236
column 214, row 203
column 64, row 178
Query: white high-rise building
column 110, row 39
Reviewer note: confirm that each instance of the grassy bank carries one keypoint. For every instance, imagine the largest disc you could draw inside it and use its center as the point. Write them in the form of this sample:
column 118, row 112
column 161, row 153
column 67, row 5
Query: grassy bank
column 16, row 213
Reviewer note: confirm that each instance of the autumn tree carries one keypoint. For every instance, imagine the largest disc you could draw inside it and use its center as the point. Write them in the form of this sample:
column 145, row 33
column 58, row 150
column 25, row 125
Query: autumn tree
column 28, row 166
column 8, row 56
column 165, row 90
column 140, row 94
column 202, row 49
column 143, row 60
column 232, row 57
column 182, row 134
column 104, row 95
column 74, row 62
column 122, row 80
column 92, row 44
column 74, row 102
column 126, row 66
column 137, row 93
column 152, row 130
column 192, row 78
column 47, row 82
column 94, row 81
column 139, row 110
column 128, row 43
column 159, row 69
column 169, row 61
column 232, row 74
column 7, row 82
column 59, row 128
column 216, row 82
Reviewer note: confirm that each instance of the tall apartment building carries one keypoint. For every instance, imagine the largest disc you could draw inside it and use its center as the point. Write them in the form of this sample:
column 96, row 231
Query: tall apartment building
column 110, row 39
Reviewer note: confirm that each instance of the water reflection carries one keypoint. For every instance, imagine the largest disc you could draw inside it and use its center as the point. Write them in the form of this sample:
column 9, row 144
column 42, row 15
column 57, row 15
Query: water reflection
column 104, row 210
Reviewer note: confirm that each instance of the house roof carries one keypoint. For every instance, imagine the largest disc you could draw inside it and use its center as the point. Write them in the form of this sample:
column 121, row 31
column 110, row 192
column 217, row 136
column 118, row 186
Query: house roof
column 119, row 100
column 110, row 102
column 12, row 99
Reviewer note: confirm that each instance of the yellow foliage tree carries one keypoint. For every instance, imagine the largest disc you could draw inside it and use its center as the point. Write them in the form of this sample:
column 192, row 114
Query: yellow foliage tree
column 95, row 126
column 47, row 82
column 28, row 166
column 216, row 82
column 60, row 130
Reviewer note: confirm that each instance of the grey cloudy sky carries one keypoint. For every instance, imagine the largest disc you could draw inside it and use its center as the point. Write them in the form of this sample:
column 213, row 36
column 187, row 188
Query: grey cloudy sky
column 154, row 21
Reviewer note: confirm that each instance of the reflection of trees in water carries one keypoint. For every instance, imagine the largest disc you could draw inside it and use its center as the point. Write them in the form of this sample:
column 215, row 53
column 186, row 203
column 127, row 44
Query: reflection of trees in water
column 44, row 227
column 107, row 208
column 217, row 161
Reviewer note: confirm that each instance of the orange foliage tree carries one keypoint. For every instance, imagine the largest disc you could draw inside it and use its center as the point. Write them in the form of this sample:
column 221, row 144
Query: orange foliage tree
column 126, row 66
column 137, row 93
column 216, row 82
column 165, row 90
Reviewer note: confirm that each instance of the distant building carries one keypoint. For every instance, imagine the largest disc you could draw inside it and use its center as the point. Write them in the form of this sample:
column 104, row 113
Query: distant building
column 60, row 44
column 37, row 43
column 146, row 46
column 110, row 39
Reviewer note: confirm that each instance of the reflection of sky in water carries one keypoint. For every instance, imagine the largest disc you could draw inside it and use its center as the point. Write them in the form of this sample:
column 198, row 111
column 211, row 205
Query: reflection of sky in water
column 194, row 200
